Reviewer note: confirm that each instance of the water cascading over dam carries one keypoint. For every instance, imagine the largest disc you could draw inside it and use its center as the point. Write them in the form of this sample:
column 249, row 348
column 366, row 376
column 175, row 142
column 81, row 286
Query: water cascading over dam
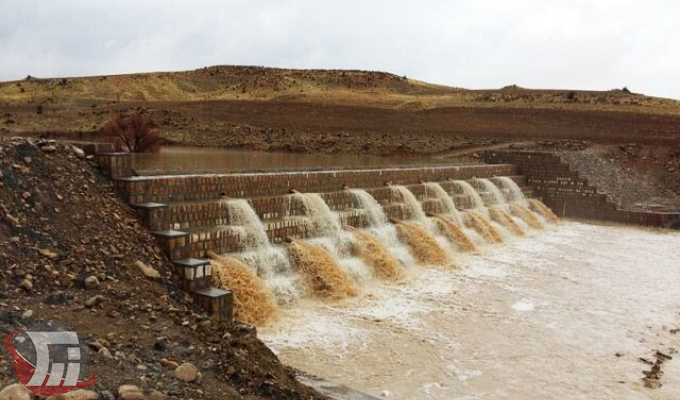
column 278, row 248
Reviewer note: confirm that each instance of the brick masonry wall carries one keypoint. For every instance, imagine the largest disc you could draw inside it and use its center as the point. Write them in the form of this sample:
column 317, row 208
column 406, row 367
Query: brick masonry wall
column 168, row 189
column 207, row 222
column 115, row 165
column 569, row 195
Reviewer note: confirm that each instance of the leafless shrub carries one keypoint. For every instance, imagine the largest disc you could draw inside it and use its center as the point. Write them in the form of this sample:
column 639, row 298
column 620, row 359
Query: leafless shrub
column 135, row 133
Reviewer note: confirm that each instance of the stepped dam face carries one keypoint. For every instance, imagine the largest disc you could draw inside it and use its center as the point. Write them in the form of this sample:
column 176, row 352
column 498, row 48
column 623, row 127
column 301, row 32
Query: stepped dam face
column 435, row 283
column 278, row 238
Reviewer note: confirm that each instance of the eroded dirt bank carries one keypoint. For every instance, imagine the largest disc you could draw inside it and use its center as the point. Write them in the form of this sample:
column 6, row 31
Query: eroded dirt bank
column 70, row 251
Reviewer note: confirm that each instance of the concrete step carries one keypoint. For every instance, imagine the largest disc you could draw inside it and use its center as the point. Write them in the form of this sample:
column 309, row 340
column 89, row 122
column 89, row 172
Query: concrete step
column 196, row 273
column 215, row 301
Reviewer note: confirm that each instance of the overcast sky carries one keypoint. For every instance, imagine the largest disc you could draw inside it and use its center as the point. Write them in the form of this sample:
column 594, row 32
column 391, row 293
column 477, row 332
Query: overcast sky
column 596, row 44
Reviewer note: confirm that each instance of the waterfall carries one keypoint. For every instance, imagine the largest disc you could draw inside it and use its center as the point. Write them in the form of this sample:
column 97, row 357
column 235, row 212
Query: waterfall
column 324, row 277
column 324, row 225
column 501, row 216
column 424, row 246
column 321, row 221
column 412, row 204
column 542, row 209
column 375, row 254
column 493, row 191
column 253, row 302
column 455, row 233
column 483, row 226
column 374, row 211
column 514, row 193
column 381, row 229
column 271, row 262
column 448, row 206
column 527, row 215
column 415, row 209
column 471, row 193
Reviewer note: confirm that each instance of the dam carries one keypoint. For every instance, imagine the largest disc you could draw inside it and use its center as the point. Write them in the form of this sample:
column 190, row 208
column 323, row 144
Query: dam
column 426, row 281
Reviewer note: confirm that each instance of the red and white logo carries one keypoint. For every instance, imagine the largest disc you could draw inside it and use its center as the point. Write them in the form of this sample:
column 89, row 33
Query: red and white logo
column 50, row 359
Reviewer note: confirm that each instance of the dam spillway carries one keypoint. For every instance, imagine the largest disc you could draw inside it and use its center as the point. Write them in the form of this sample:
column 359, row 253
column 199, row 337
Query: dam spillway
column 436, row 259
column 324, row 233
column 455, row 208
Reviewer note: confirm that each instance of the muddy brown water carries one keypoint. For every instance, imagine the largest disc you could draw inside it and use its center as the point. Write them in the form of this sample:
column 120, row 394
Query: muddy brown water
column 184, row 159
column 563, row 314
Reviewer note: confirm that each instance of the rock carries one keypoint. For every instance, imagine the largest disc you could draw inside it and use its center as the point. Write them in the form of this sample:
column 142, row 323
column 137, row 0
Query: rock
column 48, row 149
column 107, row 395
column 80, row 394
column 149, row 272
column 168, row 363
column 132, row 396
column 27, row 314
column 156, row 395
column 94, row 300
column 91, row 282
column 48, row 253
column 25, row 195
column 130, row 392
column 142, row 368
column 160, row 345
column 26, row 284
column 57, row 298
column 186, row 372
column 105, row 353
column 2, row 176
column 95, row 345
column 127, row 388
column 16, row 391
column 78, row 152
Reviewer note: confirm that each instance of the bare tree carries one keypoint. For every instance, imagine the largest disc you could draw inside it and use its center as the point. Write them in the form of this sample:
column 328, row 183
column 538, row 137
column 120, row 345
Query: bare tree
column 135, row 133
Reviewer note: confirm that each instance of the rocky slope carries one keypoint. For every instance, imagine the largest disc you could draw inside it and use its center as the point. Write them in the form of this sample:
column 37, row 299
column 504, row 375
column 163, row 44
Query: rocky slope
column 71, row 251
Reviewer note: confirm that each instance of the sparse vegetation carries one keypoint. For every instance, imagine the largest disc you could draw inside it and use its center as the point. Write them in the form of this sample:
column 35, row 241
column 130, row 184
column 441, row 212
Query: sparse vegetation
column 135, row 133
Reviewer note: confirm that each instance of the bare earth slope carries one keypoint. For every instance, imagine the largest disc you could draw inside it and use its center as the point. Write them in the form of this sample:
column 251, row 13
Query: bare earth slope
column 69, row 250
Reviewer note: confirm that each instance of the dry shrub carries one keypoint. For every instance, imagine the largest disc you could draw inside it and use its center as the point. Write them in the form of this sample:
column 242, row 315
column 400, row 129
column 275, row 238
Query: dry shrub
column 135, row 133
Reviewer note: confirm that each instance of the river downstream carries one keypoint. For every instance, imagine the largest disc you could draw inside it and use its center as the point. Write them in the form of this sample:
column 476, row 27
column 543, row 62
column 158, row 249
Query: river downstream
column 565, row 314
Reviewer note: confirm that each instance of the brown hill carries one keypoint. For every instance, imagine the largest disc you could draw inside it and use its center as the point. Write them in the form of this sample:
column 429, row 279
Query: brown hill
column 333, row 111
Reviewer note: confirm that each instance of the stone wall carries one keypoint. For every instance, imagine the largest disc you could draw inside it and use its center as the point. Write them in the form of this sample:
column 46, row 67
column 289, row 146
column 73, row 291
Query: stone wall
column 571, row 196
column 169, row 189
column 192, row 229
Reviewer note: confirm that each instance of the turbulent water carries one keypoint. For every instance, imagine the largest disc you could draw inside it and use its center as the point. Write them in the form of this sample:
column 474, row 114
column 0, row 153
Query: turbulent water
column 270, row 262
column 517, row 306
column 564, row 314
column 253, row 301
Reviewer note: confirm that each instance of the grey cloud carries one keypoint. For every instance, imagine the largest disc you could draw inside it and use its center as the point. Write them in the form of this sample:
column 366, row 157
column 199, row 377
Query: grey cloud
column 476, row 44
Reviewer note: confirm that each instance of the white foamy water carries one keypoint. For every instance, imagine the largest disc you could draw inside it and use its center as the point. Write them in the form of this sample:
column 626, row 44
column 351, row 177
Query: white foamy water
column 381, row 229
column 323, row 223
column 538, row 318
column 512, row 192
column 271, row 262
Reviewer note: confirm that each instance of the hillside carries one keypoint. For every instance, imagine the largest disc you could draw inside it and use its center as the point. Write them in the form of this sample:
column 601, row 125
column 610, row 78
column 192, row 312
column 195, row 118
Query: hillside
column 332, row 111
column 70, row 251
